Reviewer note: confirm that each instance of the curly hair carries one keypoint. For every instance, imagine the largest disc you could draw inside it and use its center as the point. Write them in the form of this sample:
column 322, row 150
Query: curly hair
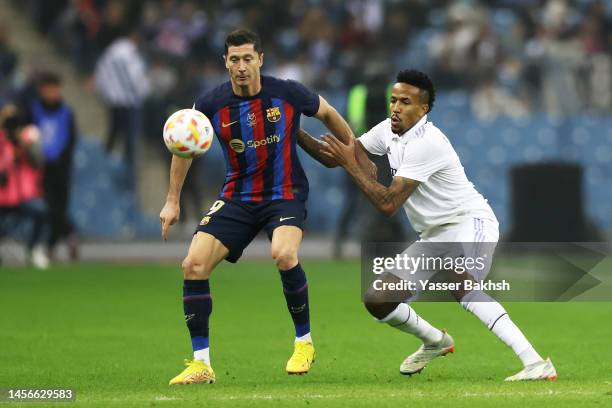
column 421, row 81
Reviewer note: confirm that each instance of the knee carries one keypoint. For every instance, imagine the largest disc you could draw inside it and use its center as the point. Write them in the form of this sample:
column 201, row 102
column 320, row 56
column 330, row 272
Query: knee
column 285, row 258
column 378, row 305
column 194, row 269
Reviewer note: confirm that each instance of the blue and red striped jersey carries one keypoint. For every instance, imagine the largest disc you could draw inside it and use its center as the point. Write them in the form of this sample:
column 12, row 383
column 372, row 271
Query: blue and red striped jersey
column 258, row 135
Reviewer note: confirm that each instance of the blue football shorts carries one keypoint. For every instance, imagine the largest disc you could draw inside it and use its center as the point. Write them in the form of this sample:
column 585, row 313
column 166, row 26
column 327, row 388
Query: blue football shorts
column 236, row 223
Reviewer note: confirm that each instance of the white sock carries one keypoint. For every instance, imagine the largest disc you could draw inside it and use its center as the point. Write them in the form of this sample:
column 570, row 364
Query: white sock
column 404, row 318
column 202, row 355
column 305, row 337
column 510, row 334
column 495, row 317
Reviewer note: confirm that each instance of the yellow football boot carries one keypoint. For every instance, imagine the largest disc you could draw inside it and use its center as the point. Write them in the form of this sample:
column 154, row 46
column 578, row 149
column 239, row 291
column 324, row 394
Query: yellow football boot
column 302, row 358
column 196, row 372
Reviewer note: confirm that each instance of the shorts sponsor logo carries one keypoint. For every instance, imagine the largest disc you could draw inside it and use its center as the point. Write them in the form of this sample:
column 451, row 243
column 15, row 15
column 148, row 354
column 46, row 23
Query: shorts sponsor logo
column 205, row 220
column 285, row 218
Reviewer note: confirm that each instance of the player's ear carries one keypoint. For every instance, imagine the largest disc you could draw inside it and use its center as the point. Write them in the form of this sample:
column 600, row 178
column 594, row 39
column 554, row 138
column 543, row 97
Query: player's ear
column 225, row 61
column 260, row 59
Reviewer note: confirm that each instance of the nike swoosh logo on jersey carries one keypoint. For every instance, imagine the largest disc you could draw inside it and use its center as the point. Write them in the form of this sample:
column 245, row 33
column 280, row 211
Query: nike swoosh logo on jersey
column 285, row 218
column 224, row 125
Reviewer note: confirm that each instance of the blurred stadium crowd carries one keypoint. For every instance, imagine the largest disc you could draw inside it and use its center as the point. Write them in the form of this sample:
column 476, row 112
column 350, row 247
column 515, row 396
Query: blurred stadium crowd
column 534, row 74
column 515, row 56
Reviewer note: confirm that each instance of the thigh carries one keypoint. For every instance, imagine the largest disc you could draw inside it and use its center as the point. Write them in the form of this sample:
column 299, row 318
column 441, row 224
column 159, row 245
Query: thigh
column 470, row 244
column 206, row 251
column 388, row 288
column 286, row 239
column 232, row 224
column 478, row 237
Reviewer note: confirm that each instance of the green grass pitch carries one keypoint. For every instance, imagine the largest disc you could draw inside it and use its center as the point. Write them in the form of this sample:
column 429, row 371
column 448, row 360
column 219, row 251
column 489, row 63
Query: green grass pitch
column 115, row 333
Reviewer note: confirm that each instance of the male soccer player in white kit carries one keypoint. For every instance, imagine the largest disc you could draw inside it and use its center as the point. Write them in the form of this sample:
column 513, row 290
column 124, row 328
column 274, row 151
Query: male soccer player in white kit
column 441, row 204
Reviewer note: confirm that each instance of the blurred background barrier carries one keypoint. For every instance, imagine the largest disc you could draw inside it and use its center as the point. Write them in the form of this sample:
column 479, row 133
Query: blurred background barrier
column 547, row 204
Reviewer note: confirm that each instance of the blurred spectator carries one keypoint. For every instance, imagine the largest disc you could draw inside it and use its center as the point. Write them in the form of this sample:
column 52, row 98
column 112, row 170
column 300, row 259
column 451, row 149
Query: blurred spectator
column 596, row 37
column 8, row 63
column 55, row 119
column 122, row 81
column 491, row 101
column 46, row 13
column 20, row 175
column 112, row 24
column 537, row 49
column 164, row 79
column 452, row 49
column 178, row 31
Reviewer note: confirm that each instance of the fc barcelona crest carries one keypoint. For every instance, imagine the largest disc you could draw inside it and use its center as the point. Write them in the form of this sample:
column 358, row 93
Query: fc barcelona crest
column 273, row 114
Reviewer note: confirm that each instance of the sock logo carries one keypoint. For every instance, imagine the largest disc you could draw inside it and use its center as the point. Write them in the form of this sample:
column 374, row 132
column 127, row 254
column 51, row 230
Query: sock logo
column 297, row 309
column 188, row 317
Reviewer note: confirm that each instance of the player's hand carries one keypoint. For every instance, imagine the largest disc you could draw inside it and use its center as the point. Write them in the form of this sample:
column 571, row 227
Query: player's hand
column 344, row 154
column 168, row 216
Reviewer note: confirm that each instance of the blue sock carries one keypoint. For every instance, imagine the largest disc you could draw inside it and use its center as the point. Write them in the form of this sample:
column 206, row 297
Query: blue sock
column 296, row 295
column 197, row 305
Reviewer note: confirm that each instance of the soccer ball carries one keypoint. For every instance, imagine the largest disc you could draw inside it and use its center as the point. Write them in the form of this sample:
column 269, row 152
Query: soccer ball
column 188, row 133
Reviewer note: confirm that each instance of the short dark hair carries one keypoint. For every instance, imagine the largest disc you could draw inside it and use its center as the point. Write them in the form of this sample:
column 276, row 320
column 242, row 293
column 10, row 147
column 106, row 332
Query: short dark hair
column 48, row 78
column 241, row 37
column 421, row 81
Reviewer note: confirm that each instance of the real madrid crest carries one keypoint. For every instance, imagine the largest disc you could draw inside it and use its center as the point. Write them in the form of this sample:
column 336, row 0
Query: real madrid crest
column 273, row 114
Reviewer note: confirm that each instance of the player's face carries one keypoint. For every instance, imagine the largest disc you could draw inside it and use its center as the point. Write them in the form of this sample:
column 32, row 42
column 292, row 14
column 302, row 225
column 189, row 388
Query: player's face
column 407, row 108
column 243, row 64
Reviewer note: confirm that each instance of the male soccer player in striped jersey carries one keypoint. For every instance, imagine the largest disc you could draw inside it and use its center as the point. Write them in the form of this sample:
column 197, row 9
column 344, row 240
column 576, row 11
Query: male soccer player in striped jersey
column 443, row 206
column 256, row 119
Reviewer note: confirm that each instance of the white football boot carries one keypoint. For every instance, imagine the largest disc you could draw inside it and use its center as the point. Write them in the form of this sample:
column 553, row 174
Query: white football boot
column 415, row 362
column 542, row 370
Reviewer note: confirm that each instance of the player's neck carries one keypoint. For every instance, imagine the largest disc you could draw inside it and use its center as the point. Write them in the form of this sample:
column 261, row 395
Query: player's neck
column 247, row 91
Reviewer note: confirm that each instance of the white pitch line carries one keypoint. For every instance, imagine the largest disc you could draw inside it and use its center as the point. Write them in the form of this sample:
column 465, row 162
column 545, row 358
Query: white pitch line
column 414, row 394
column 162, row 398
column 419, row 394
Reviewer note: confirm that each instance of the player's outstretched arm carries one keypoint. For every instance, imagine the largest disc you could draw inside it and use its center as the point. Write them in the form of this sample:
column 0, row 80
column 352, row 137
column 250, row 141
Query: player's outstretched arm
column 171, row 211
column 341, row 130
column 315, row 149
column 386, row 199
column 333, row 121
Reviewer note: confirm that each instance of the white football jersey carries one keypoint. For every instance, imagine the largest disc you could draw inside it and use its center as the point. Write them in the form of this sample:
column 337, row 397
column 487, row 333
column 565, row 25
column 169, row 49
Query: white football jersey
column 423, row 153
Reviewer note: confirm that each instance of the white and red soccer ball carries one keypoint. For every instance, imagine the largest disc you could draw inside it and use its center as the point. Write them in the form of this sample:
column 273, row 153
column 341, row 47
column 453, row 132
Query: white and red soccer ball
column 188, row 133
